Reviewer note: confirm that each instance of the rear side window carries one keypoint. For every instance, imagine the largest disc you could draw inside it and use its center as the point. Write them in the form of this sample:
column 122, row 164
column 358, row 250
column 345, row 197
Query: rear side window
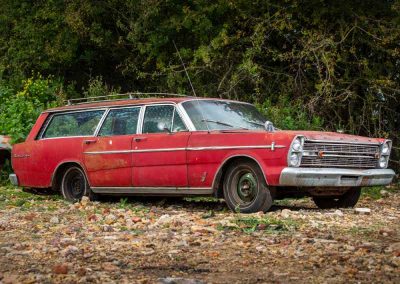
column 73, row 124
column 120, row 122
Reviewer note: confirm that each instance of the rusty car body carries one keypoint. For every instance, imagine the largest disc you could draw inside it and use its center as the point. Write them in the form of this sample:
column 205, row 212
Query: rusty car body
column 194, row 146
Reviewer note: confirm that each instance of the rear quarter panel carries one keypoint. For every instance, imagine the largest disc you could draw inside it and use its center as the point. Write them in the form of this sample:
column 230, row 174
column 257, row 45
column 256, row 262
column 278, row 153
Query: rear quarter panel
column 35, row 161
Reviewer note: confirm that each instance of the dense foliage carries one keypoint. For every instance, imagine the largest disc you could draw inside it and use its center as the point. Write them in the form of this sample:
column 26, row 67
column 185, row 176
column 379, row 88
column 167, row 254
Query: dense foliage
column 314, row 64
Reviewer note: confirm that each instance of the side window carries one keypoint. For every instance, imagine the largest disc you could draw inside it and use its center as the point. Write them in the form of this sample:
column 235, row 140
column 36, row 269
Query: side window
column 177, row 124
column 157, row 118
column 120, row 122
column 73, row 124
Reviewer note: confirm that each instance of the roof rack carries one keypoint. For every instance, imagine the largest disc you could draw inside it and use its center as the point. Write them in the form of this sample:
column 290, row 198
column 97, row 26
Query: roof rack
column 116, row 97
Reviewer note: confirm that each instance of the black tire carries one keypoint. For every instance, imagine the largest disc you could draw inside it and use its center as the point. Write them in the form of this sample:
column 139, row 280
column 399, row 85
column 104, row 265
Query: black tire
column 74, row 185
column 245, row 189
column 348, row 200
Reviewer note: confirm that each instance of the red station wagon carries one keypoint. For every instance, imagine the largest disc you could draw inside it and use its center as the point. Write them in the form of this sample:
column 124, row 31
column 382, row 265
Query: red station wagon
column 189, row 146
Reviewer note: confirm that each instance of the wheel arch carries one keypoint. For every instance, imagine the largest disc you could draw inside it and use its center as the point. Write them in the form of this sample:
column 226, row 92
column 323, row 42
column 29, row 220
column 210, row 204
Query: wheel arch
column 60, row 170
column 219, row 176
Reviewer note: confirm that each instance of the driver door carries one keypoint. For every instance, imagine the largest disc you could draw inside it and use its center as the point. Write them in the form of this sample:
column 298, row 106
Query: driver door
column 159, row 152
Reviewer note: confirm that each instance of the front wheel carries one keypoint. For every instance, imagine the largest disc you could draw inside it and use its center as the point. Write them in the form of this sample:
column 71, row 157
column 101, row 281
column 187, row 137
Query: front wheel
column 348, row 200
column 74, row 185
column 245, row 189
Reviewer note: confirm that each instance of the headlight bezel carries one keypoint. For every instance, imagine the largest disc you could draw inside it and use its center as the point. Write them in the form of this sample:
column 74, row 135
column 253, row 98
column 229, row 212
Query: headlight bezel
column 296, row 148
column 384, row 153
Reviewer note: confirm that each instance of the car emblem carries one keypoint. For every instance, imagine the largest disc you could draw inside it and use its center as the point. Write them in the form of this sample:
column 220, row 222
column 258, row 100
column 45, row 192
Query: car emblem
column 321, row 154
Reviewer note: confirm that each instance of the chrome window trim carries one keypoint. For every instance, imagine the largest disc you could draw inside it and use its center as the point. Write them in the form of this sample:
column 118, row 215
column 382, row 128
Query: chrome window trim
column 192, row 127
column 140, row 120
column 117, row 108
column 68, row 112
column 175, row 107
column 64, row 137
column 185, row 117
column 105, row 114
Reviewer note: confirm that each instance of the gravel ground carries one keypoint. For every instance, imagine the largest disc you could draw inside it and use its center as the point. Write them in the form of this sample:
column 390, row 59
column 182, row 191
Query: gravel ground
column 146, row 240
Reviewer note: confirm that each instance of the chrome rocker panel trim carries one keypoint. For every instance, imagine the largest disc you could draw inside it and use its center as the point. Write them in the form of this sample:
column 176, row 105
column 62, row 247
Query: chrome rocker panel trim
column 155, row 191
column 333, row 177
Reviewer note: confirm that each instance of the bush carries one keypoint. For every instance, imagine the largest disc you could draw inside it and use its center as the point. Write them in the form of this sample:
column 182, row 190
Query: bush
column 97, row 88
column 289, row 115
column 19, row 111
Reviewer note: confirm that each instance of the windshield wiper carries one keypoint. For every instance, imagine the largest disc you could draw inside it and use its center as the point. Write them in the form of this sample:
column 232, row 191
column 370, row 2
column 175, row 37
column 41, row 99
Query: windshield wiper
column 256, row 123
column 223, row 123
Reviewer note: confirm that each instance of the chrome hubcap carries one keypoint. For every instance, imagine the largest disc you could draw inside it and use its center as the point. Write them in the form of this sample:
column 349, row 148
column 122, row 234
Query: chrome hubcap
column 246, row 187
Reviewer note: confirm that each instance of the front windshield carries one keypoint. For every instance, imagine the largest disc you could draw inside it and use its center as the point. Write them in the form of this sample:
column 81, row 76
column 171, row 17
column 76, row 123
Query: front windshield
column 221, row 115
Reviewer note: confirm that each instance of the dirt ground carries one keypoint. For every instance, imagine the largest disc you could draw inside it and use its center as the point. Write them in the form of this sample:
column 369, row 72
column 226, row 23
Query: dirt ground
column 44, row 239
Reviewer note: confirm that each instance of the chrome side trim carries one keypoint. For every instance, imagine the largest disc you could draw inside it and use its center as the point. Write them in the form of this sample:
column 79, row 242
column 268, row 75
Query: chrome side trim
column 134, row 151
column 186, row 149
column 333, row 177
column 234, row 147
column 154, row 190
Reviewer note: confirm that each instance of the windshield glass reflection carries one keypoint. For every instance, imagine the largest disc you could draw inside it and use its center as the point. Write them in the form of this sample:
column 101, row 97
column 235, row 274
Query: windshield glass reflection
column 223, row 115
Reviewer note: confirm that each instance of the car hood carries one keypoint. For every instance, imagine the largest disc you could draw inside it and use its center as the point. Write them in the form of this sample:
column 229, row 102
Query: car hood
column 333, row 136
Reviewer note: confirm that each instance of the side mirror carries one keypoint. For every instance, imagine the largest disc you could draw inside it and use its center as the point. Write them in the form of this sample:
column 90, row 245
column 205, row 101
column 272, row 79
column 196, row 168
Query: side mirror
column 269, row 126
column 163, row 127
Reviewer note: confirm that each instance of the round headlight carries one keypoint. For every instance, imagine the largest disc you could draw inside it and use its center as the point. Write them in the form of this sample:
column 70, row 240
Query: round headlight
column 294, row 159
column 297, row 145
column 382, row 162
column 385, row 149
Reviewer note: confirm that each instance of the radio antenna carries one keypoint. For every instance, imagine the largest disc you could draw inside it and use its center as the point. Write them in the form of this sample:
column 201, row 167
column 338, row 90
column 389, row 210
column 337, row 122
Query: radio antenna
column 191, row 85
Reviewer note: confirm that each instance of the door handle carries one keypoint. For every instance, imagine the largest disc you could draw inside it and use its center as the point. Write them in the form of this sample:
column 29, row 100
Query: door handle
column 89, row 141
column 140, row 138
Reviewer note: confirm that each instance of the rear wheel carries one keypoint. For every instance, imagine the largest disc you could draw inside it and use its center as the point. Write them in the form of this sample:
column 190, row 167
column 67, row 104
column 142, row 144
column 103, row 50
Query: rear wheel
column 245, row 189
column 74, row 185
column 347, row 200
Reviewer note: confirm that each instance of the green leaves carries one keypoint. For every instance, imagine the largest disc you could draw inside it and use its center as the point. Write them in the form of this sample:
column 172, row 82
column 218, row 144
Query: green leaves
column 18, row 112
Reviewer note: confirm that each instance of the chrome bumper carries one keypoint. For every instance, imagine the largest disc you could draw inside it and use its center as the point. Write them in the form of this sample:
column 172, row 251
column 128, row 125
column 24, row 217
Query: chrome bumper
column 335, row 177
column 14, row 179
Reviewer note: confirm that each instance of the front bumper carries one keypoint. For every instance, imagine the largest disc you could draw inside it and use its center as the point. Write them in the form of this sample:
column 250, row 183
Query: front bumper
column 315, row 177
column 13, row 179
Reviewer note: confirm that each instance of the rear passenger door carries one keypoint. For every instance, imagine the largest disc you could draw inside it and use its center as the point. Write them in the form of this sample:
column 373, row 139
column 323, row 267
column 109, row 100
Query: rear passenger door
column 108, row 156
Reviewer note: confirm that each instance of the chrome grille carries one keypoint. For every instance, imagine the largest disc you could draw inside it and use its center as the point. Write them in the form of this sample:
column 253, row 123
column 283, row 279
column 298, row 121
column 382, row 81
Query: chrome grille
column 339, row 155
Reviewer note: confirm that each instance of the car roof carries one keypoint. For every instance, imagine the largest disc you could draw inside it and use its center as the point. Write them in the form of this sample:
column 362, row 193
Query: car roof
column 127, row 102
